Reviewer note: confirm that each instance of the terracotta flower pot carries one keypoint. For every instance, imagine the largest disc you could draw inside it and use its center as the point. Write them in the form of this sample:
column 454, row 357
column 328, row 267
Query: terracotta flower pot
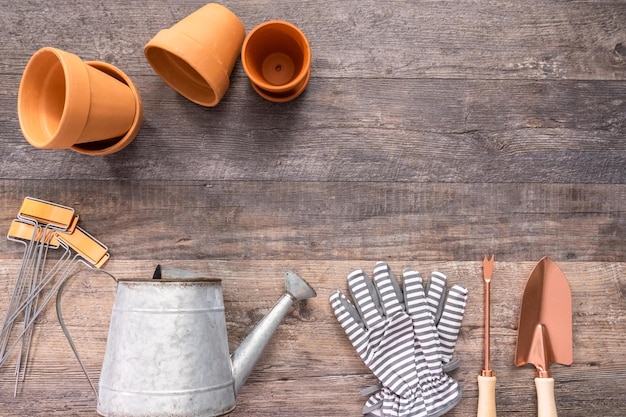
column 63, row 102
column 276, row 56
column 196, row 56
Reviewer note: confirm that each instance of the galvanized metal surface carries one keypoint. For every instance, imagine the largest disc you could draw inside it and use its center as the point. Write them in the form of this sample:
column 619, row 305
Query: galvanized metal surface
column 167, row 349
column 545, row 326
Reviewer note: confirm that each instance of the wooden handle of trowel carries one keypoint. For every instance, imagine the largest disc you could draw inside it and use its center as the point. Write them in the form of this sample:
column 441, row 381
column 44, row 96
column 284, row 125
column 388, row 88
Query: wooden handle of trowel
column 545, row 397
column 486, row 396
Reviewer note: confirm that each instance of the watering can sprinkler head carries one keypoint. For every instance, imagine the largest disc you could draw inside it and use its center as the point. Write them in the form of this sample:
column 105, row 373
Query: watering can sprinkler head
column 298, row 288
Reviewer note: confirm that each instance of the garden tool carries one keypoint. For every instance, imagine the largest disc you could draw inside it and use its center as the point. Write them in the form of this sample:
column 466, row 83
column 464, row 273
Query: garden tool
column 41, row 225
column 34, row 227
column 167, row 351
column 487, row 378
column 545, row 329
column 394, row 333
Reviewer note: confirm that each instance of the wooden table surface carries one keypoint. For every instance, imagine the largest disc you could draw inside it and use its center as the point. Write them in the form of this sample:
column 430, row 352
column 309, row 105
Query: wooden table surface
column 430, row 134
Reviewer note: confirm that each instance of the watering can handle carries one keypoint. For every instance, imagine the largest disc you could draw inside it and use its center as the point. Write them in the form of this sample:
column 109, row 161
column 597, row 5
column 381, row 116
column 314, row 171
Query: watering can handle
column 67, row 333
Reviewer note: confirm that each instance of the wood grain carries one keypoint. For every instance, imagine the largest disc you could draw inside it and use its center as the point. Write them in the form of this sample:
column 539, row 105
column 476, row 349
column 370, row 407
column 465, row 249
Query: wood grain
column 358, row 39
column 309, row 358
column 342, row 221
column 430, row 133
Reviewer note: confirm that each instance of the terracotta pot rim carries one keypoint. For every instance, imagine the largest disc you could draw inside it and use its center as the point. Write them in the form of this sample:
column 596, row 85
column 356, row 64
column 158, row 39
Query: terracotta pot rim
column 109, row 146
column 306, row 65
column 76, row 101
column 283, row 97
column 167, row 42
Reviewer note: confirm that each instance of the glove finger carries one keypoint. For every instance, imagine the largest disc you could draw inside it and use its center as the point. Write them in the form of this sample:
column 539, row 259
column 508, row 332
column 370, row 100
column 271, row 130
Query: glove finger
column 350, row 321
column 365, row 298
column 440, row 392
column 451, row 318
column 414, row 295
column 389, row 292
column 436, row 294
column 424, row 328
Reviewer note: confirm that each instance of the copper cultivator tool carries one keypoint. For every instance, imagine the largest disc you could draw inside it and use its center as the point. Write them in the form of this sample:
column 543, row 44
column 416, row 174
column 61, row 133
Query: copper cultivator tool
column 487, row 378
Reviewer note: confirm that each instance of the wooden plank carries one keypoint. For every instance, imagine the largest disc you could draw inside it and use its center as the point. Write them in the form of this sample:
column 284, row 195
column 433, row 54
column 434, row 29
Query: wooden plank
column 309, row 368
column 342, row 221
column 356, row 38
column 431, row 131
column 352, row 130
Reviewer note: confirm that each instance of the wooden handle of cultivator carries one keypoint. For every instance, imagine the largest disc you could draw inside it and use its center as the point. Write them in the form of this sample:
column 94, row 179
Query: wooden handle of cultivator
column 486, row 396
column 545, row 397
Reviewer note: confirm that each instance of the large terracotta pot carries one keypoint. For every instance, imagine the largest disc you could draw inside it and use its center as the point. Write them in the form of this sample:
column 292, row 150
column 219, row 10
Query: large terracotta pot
column 196, row 56
column 90, row 107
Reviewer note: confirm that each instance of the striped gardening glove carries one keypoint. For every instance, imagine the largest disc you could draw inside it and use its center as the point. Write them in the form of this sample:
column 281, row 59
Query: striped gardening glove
column 447, row 312
column 435, row 322
column 383, row 336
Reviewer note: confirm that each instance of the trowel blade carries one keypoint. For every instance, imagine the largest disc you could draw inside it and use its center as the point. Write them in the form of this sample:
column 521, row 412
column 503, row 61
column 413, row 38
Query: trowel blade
column 545, row 326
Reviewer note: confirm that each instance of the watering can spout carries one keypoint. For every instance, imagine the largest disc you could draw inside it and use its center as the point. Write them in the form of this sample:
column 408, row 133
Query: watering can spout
column 245, row 357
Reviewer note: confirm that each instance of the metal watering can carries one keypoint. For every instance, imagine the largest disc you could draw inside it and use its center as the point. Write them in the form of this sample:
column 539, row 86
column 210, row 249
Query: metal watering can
column 167, row 350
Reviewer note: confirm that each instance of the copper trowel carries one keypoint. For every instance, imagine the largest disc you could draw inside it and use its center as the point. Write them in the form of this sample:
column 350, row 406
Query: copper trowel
column 545, row 329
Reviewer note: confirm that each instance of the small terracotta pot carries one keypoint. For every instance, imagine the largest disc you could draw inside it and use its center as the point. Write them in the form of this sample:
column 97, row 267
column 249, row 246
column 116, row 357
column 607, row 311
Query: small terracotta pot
column 196, row 56
column 63, row 102
column 276, row 56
